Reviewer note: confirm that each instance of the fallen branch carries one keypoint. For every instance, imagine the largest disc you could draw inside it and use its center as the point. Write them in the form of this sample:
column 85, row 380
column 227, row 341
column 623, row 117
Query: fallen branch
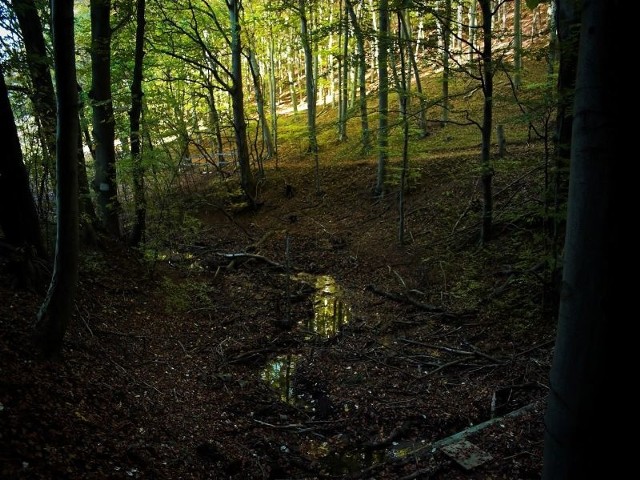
column 436, row 347
column 445, row 365
column 403, row 298
column 535, row 347
column 235, row 256
column 425, row 451
column 282, row 427
column 456, row 437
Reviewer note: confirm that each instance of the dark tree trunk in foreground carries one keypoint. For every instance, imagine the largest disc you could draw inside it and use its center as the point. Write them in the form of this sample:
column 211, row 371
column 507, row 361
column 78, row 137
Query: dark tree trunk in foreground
column 57, row 309
column 135, row 138
column 18, row 215
column 580, row 414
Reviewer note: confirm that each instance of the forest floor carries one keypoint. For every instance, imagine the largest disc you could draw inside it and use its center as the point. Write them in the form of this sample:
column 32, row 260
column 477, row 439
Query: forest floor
column 301, row 340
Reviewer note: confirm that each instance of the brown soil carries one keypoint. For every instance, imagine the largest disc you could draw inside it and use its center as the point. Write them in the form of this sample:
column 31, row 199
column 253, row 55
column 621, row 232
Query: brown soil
column 166, row 365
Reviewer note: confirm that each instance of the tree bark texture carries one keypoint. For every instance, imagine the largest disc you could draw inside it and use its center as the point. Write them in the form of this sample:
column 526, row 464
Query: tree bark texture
column 42, row 94
column 135, row 138
column 18, row 215
column 487, row 120
column 583, row 405
column 57, row 308
column 103, row 117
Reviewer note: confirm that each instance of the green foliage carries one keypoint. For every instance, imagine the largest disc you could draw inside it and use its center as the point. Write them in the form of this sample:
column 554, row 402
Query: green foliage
column 412, row 178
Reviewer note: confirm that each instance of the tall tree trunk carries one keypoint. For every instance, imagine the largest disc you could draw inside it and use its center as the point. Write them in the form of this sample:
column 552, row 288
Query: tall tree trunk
column 404, row 102
column 472, row 29
column 344, row 77
column 88, row 218
column 18, row 215
column 517, row 43
column 422, row 119
column 135, row 138
column 309, row 77
column 310, row 80
column 273, row 96
column 582, row 404
column 383, row 96
column 56, row 311
column 487, row 120
column 237, row 98
column 446, row 52
column 567, row 23
column 374, row 41
column 257, row 85
column 103, row 117
column 459, row 30
column 43, row 95
column 364, row 116
column 214, row 120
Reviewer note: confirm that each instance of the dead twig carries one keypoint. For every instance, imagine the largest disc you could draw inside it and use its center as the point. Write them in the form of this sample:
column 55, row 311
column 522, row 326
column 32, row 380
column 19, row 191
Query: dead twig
column 535, row 347
column 234, row 256
column 403, row 298
column 445, row 365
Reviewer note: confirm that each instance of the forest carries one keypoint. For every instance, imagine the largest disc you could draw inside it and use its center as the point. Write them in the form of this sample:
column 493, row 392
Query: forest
column 307, row 239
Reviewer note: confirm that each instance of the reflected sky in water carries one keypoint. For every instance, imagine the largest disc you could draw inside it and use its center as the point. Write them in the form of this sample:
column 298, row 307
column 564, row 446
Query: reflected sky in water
column 330, row 313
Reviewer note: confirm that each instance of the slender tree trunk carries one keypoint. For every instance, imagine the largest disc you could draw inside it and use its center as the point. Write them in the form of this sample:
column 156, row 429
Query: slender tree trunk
column 472, row 29
column 446, row 52
column 487, row 120
column 257, row 85
column 57, row 308
column 422, row 119
column 237, row 97
column 383, row 96
column 374, row 40
column 344, row 84
column 459, row 32
column 362, row 60
column 214, row 120
column 103, row 117
column 18, row 214
column 404, row 102
column 135, row 137
column 517, row 43
column 88, row 217
column 309, row 77
column 293, row 89
column 582, row 404
column 310, row 80
column 553, row 38
column 273, row 97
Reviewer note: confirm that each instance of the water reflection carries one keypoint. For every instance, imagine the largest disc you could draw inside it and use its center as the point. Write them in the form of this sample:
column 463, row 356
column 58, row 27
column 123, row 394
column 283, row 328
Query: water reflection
column 330, row 313
column 279, row 373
